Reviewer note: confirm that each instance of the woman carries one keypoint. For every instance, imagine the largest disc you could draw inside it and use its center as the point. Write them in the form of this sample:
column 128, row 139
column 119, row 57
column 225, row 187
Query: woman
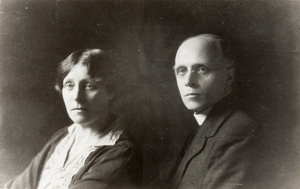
column 95, row 151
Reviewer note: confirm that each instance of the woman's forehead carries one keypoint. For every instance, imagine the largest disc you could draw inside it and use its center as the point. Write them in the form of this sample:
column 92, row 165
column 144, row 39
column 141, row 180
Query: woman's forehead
column 80, row 72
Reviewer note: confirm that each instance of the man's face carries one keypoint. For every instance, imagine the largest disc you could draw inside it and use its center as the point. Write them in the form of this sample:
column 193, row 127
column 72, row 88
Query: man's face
column 210, row 79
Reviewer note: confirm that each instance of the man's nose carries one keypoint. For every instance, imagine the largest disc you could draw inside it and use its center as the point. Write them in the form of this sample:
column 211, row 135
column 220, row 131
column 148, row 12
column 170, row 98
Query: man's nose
column 190, row 79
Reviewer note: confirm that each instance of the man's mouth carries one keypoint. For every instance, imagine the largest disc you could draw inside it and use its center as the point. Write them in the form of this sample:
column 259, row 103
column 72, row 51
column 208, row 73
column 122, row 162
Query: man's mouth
column 79, row 109
column 192, row 94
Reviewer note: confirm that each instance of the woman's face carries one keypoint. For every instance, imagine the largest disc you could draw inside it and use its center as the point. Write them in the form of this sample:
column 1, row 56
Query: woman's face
column 86, row 99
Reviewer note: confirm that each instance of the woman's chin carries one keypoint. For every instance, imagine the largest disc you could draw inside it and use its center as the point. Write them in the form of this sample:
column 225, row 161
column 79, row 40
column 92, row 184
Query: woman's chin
column 84, row 121
column 80, row 120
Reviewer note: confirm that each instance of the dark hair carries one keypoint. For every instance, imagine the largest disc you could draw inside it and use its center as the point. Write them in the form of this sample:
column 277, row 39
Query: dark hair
column 98, row 62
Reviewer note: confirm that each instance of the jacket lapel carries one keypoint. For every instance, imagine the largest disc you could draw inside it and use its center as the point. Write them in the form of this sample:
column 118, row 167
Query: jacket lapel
column 215, row 119
column 218, row 116
column 195, row 147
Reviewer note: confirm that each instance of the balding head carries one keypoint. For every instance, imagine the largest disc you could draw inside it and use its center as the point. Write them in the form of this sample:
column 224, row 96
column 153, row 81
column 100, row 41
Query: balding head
column 204, row 71
column 208, row 44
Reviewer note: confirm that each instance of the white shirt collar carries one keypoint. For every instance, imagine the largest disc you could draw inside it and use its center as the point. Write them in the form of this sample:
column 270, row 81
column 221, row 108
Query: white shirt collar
column 200, row 117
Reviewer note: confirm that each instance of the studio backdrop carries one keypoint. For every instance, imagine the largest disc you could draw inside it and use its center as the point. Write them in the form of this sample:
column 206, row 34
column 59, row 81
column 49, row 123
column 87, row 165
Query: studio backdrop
column 36, row 35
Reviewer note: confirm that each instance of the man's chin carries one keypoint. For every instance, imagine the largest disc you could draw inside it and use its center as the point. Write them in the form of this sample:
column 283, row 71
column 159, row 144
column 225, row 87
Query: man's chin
column 198, row 109
column 195, row 108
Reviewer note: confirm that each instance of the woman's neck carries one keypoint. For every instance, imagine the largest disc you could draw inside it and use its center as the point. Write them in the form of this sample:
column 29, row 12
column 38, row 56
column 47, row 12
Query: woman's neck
column 84, row 136
column 85, row 133
column 91, row 129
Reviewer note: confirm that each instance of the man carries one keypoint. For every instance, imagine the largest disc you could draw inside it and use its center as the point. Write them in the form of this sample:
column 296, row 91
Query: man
column 220, row 154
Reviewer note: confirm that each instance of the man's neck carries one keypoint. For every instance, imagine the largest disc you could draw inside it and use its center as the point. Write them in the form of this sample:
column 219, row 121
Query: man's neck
column 201, row 116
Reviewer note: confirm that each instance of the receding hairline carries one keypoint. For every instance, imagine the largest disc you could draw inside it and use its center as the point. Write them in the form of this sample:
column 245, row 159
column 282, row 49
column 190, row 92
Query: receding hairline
column 208, row 37
column 210, row 42
column 199, row 39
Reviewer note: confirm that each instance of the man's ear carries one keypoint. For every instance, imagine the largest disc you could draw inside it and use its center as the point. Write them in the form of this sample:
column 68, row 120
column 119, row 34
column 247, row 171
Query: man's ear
column 230, row 75
column 110, row 93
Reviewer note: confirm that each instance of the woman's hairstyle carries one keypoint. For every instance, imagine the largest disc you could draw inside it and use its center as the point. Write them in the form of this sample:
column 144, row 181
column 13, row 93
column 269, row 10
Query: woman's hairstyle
column 98, row 63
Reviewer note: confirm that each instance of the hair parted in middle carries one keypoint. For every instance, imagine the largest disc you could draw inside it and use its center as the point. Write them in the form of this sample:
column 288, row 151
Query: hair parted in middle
column 98, row 62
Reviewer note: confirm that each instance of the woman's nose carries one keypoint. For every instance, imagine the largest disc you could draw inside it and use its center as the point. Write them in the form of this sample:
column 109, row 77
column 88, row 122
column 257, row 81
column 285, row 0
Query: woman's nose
column 78, row 94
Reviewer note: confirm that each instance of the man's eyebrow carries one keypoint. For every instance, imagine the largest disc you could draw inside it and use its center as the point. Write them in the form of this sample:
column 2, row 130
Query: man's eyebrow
column 174, row 67
column 194, row 65
column 198, row 64
column 178, row 66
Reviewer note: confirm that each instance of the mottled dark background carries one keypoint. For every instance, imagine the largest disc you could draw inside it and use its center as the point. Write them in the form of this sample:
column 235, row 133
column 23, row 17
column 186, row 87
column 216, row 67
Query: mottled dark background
column 36, row 35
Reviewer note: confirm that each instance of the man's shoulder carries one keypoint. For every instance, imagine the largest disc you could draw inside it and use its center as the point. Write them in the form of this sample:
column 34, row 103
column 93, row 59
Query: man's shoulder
column 236, row 118
column 240, row 117
column 229, row 117
column 240, row 122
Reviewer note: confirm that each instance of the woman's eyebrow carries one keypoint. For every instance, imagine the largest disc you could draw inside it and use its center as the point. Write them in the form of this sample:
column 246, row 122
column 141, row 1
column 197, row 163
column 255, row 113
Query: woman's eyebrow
column 67, row 80
column 96, row 79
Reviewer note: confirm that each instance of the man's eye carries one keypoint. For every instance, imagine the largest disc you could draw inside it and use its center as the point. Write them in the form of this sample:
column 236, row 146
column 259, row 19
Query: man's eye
column 181, row 71
column 69, row 85
column 202, row 69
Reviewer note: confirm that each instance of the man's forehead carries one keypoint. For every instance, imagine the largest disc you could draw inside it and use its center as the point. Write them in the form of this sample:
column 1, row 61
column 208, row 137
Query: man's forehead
column 202, row 45
column 198, row 52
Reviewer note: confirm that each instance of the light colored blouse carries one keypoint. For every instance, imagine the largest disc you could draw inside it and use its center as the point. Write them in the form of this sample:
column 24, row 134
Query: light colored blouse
column 64, row 163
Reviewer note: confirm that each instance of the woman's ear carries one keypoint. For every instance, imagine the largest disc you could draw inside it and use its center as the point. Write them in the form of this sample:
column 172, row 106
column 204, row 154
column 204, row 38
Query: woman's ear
column 110, row 94
column 57, row 88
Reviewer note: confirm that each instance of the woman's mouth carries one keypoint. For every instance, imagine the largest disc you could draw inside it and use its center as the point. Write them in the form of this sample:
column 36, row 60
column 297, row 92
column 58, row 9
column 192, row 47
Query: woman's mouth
column 79, row 109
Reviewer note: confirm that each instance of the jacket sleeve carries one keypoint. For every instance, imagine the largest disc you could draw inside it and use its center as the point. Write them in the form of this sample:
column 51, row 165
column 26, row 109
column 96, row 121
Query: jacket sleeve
column 231, row 161
column 114, row 167
column 30, row 176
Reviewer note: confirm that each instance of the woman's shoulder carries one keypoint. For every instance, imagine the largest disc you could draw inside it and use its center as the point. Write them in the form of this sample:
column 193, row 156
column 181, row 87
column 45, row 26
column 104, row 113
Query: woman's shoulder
column 119, row 131
column 60, row 132
column 58, row 135
column 125, row 145
column 127, row 139
column 114, row 164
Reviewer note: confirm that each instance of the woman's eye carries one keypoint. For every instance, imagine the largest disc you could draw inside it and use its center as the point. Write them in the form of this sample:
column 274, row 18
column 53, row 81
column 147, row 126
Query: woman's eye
column 90, row 86
column 69, row 85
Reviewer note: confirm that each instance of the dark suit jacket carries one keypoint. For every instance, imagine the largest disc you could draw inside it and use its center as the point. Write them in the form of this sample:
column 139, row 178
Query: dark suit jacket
column 222, row 153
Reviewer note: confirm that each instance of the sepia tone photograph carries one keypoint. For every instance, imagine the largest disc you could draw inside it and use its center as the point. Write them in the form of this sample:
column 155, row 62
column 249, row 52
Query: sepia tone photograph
column 149, row 94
